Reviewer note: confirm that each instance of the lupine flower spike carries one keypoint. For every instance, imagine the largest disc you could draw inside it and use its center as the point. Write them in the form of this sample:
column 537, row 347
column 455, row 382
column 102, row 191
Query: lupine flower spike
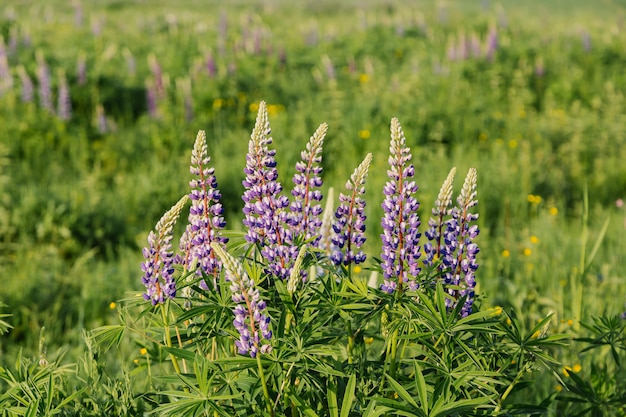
column 250, row 320
column 205, row 214
column 349, row 225
column 265, row 208
column 459, row 252
column 306, row 209
column 434, row 233
column 400, row 223
column 159, row 265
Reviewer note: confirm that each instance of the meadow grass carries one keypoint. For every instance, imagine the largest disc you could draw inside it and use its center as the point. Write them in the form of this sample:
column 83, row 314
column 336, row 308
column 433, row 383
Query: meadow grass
column 541, row 117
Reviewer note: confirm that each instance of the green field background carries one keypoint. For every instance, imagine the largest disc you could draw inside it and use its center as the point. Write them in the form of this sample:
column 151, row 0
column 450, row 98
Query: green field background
column 542, row 119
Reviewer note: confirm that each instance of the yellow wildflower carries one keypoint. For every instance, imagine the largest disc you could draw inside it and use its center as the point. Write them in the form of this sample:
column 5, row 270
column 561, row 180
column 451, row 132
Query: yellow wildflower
column 506, row 253
column 112, row 305
column 143, row 351
column 512, row 144
column 534, row 240
column 356, row 269
column 554, row 211
column 364, row 78
column 364, row 134
column 527, row 252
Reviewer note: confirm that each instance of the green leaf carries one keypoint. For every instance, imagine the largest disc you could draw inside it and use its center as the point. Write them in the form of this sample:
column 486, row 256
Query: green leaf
column 331, row 393
column 301, row 405
column 402, row 393
column 107, row 336
column 421, row 387
column 348, row 397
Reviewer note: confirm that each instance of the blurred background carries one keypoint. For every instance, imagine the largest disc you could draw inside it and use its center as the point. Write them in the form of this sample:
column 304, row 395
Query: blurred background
column 100, row 103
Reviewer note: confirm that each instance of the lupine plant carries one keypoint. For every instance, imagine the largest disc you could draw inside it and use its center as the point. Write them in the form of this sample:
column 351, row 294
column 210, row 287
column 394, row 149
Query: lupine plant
column 280, row 319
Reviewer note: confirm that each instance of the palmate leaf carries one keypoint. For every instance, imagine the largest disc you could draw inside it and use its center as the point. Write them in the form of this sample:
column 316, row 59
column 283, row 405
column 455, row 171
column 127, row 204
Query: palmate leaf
column 190, row 404
column 107, row 336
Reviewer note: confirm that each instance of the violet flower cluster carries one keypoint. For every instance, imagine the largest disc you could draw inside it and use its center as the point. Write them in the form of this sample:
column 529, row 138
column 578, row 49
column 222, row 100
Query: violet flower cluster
column 451, row 247
column 265, row 209
column 251, row 321
column 205, row 216
column 306, row 209
column 159, row 265
column 400, row 223
column 349, row 224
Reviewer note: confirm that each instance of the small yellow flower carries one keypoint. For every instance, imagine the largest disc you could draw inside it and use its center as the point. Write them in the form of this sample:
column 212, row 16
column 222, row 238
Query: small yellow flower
column 570, row 322
column 554, row 211
column 536, row 334
column 497, row 310
column 364, row 78
column 534, row 240
column 527, row 252
column 136, row 361
column 364, row 134
column 395, row 395
column 577, row 368
column 218, row 103
column 356, row 269
column 143, row 351
column 512, row 144
column 254, row 107
column 112, row 305
column 567, row 370
column 506, row 253
column 508, row 321
column 368, row 340
column 534, row 199
column 522, row 114
column 558, row 388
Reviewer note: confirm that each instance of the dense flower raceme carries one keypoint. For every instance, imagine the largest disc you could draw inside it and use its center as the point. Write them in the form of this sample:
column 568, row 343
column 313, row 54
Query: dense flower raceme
column 250, row 320
column 205, row 216
column 159, row 265
column 452, row 240
column 265, row 209
column 306, row 209
column 349, row 224
column 400, row 223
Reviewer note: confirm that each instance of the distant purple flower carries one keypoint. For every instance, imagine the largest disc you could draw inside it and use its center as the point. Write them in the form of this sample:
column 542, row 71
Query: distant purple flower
column 349, row 225
column 81, row 70
column 205, row 214
column 264, row 206
column 492, row 43
column 43, row 77
column 101, row 119
column 78, row 13
column 64, row 105
column 6, row 80
column 159, row 265
column 211, row 66
column 306, row 209
column 27, row 85
column 151, row 100
column 624, row 313
column 400, row 223
column 157, row 74
column 251, row 321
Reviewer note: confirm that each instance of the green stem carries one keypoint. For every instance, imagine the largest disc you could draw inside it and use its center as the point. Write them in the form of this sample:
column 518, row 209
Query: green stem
column 509, row 389
column 168, row 339
column 266, row 393
column 394, row 353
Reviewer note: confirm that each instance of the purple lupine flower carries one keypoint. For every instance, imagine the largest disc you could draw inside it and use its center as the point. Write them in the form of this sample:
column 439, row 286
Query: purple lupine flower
column 205, row 214
column 624, row 313
column 400, row 237
column 151, row 99
column 64, row 105
column 81, row 70
column 459, row 252
column 157, row 74
column 251, row 321
column 304, row 218
column 27, row 85
column 432, row 249
column 349, row 225
column 101, row 119
column 265, row 208
column 159, row 265
column 211, row 66
column 6, row 80
column 43, row 77
column 492, row 43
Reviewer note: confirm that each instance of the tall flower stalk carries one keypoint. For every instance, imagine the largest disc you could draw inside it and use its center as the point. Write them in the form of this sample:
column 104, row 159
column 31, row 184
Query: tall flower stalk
column 400, row 223
column 264, row 206
column 158, row 267
column 306, row 209
column 434, row 233
column 349, row 224
column 205, row 215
